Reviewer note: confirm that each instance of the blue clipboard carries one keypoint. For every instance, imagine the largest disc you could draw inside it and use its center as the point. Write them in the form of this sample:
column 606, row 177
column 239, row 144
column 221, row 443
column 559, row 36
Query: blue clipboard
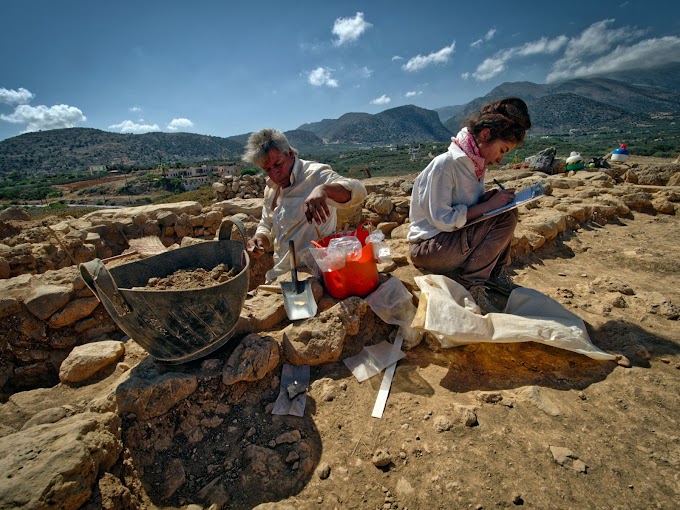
column 521, row 197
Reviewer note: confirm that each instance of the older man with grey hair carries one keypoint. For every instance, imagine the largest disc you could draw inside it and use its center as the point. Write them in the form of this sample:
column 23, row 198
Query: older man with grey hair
column 298, row 195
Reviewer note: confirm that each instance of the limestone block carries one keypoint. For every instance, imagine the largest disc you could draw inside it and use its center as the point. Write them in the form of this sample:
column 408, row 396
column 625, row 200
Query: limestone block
column 663, row 205
column 43, row 300
column 166, row 218
column 55, row 465
column 638, row 201
column 84, row 361
column 320, row 339
column 149, row 393
column 251, row 207
column 379, row 204
column 253, row 358
column 73, row 312
column 546, row 222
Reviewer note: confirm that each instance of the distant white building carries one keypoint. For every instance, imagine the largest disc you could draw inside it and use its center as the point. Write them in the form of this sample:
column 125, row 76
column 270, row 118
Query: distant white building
column 94, row 169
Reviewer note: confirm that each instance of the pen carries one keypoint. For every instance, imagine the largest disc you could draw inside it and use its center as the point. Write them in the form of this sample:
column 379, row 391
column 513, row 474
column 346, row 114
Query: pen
column 499, row 184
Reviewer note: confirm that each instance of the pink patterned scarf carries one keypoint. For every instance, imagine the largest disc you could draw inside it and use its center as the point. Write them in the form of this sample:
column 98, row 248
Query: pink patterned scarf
column 466, row 142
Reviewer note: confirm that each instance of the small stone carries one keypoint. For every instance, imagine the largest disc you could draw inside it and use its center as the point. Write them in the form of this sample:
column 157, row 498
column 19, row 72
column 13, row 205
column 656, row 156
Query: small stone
column 381, row 458
column 561, row 274
column 517, row 499
column 623, row 361
column 442, row 424
column 470, row 419
column 323, row 471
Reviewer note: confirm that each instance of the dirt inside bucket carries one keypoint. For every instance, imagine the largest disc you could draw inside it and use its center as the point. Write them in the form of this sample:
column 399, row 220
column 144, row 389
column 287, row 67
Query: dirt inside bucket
column 199, row 278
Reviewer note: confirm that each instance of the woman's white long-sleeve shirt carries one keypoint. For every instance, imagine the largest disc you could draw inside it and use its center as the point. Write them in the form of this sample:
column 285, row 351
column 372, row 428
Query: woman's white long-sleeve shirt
column 285, row 219
column 441, row 195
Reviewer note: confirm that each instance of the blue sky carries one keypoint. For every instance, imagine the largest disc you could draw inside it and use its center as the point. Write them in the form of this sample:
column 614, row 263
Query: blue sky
column 225, row 68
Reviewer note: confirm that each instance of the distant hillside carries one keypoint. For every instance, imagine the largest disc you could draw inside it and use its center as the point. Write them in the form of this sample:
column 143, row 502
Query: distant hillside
column 71, row 150
column 446, row 112
column 667, row 76
column 639, row 100
column 405, row 124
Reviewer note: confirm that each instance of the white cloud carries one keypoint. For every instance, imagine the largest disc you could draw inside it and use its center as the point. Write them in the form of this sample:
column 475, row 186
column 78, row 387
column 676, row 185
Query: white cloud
column 128, row 126
column 349, row 29
column 412, row 93
column 321, row 76
column 487, row 37
column 642, row 55
column 181, row 123
column 540, row 47
column 38, row 118
column 597, row 39
column 366, row 72
column 397, row 57
column 493, row 66
column 420, row 62
column 465, row 76
column 135, row 109
column 20, row 96
column 384, row 99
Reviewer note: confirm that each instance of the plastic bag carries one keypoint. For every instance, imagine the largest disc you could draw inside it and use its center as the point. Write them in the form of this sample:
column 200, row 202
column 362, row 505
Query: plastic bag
column 349, row 247
column 327, row 260
column 373, row 359
column 381, row 252
column 392, row 302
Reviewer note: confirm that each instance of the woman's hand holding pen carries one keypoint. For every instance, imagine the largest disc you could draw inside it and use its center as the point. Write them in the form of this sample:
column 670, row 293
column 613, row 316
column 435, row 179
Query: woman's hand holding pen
column 500, row 198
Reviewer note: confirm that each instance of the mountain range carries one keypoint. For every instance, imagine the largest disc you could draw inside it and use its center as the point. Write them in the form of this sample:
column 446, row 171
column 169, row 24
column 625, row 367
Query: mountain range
column 612, row 100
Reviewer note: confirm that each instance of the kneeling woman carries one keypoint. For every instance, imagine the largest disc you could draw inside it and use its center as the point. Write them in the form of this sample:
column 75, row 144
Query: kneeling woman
column 449, row 194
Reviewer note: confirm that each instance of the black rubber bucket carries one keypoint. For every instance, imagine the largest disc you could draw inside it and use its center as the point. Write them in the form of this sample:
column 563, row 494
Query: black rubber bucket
column 175, row 326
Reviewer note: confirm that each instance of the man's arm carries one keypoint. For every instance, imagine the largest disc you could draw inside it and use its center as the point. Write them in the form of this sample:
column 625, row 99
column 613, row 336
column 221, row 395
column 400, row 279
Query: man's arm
column 316, row 205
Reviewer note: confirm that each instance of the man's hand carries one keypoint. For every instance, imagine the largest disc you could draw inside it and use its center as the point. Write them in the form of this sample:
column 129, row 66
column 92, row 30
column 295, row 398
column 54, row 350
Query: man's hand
column 257, row 245
column 315, row 206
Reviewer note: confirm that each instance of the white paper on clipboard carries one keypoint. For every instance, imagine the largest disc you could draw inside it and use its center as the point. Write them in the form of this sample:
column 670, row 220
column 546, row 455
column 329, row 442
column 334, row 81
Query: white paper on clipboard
column 521, row 197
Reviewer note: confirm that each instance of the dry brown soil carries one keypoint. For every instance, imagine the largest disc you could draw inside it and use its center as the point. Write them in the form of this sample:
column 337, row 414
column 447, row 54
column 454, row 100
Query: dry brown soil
column 198, row 278
column 519, row 400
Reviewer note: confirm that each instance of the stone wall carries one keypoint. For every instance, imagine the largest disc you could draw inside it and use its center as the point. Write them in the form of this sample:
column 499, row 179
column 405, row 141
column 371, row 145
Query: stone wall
column 240, row 186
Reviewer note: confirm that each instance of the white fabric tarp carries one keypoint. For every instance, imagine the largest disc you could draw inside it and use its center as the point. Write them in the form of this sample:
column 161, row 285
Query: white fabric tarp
column 447, row 310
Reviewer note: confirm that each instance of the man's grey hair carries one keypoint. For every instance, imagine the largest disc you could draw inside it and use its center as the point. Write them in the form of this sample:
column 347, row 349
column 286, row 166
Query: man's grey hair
column 260, row 143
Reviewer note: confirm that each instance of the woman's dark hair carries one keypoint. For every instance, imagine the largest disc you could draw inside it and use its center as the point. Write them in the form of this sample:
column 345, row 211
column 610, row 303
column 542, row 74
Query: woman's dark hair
column 507, row 119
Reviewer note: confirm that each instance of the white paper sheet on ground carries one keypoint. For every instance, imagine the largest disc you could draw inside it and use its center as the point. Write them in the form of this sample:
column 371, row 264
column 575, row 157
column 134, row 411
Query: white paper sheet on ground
column 529, row 316
column 295, row 377
column 373, row 359
column 386, row 383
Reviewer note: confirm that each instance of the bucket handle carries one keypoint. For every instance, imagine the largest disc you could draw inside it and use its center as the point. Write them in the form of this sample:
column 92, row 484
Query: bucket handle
column 224, row 232
column 99, row 279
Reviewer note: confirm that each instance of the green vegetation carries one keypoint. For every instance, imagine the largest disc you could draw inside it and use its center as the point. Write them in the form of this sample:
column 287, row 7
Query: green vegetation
column 657, row 138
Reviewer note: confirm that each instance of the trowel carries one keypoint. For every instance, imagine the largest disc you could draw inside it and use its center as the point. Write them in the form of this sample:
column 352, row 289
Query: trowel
column 298, row 298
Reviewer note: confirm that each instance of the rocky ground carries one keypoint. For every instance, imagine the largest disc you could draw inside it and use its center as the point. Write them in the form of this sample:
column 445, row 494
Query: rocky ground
column 477, row 426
